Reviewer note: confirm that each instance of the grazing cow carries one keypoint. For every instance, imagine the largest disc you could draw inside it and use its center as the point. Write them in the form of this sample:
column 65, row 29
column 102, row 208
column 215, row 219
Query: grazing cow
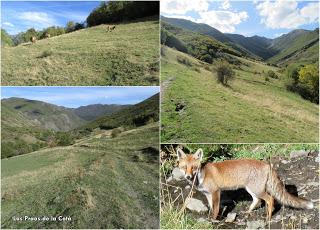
column 33, row 39
column 110, row 28
column 47, row 35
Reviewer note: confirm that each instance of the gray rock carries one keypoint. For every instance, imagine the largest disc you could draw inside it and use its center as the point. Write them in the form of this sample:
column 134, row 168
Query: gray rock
column 187, row 187
column 203, row 220
column 177, row 174
column 299, row 153
column 293, row 218
column 196, row 205
column 169, row 179
column 277, row 218
column 305, row 220
column 255, row 224
column 313, row 183
column 284, row 162
column 231, row 217
column 317, row 159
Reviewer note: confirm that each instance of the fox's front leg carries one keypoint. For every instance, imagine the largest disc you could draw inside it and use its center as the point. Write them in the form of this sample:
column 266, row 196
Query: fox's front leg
column 215, row 204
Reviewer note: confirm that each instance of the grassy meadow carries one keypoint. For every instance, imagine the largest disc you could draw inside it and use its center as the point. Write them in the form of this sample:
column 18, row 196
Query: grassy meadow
column 129, row 55
column 254, row 108
column 99, row 182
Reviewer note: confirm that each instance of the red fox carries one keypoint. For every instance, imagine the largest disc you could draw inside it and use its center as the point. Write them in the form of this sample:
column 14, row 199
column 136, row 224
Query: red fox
column 257, row 177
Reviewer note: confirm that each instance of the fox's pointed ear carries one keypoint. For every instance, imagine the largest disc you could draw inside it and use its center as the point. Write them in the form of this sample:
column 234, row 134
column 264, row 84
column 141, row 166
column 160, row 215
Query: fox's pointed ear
column 198, row 155
column 180, row 154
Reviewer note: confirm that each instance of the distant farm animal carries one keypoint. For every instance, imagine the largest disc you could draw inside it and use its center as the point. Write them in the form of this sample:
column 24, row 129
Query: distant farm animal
column 33, row 39
column 47, row 35
column 110, row 28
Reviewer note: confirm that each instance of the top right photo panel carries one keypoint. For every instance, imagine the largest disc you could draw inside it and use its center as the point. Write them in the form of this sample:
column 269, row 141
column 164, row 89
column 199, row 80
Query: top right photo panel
column 239, row 71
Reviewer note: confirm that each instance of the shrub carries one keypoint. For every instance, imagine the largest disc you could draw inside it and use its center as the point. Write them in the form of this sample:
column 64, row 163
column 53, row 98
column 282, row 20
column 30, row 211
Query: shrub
column 272, row 74
column 224, row 73
column 267, row 78
column 46, row 53
column 115, row 132
column 184, row 60
column 206, row 58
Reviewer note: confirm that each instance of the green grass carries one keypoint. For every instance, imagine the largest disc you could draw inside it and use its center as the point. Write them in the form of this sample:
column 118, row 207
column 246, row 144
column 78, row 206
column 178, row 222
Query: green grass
column 250, row 110
column 127, row 56
column 99, row 182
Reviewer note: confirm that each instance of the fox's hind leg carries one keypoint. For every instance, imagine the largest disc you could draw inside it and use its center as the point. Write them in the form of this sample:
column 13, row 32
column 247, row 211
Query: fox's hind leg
column 270, row 202
column 255, row 200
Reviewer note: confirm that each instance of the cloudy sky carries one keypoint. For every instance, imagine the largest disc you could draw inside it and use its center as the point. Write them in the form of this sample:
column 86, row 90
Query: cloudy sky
column 264, row 18
column 73, row 97
column 17, row 16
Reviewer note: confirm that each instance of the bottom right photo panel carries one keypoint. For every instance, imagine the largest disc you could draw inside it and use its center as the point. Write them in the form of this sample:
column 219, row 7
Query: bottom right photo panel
column 230, row 186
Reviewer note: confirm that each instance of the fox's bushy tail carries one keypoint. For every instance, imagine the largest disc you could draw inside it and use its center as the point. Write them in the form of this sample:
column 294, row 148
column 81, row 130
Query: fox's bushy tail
column 276, row 188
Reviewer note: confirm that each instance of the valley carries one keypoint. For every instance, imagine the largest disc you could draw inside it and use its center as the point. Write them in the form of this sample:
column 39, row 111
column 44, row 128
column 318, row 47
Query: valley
column 99, row 170
column 256, row 106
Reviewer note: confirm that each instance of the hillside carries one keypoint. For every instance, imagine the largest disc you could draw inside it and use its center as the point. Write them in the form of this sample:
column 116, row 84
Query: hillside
column 91, row 112
column 129, row 55
column 137, row 115
column 100, row 182
column 199, row 46
column 45, row 115
column 253, row 109
column 296, row 46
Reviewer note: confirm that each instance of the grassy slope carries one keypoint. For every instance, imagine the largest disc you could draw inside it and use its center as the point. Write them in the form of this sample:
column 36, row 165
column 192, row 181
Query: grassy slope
column 251, row 110
column 127, row 56
column 44, row 114
column 100, row 182
column 296, row 46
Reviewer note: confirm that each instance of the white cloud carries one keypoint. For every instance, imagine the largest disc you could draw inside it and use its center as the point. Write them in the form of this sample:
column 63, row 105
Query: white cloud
column 7, row 24
column 38, row 18
column 183, row 6
column 225, row 21
column 225, row 4
column 286, row 14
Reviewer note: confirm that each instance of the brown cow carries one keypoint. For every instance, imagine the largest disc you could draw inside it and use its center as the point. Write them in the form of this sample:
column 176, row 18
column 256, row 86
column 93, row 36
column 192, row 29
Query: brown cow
column 110, row 28
column 33, row 39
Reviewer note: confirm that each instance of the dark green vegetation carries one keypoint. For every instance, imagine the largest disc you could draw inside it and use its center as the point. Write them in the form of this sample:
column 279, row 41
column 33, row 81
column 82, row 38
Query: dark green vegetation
column 297, row 46
column 28, row 125
column 91, row 112
column 103, row 178
column 134, row 116
column 6, row 40
column 117, row 11
column 175, row 216
column 129, row 55
column 195, row 108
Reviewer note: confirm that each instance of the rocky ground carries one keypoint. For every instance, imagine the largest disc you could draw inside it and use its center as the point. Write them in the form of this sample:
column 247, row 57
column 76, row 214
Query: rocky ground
column 300, row 174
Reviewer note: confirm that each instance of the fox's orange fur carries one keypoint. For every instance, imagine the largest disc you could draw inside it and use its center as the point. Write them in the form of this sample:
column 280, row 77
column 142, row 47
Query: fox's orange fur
column 257, row 177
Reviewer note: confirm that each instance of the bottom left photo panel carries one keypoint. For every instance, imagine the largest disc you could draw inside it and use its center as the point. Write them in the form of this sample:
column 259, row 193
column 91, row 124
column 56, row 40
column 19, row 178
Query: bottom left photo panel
column 80, row 157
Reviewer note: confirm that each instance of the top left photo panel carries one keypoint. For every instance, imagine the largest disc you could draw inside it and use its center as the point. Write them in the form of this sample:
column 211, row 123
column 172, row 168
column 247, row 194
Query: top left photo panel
column 80, row 43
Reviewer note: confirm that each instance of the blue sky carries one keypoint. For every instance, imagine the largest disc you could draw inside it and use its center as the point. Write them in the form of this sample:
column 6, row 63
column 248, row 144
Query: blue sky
column 73, row 97
column 17, row 16
column 264, row 18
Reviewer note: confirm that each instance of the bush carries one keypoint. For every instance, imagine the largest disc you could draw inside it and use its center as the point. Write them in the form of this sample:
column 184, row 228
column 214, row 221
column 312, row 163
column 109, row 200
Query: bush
column 64, row 139
column 206, row 58
column 224, row 73
column 184, row 60
column 46, row 53
column 272, row 74
column 115, row 132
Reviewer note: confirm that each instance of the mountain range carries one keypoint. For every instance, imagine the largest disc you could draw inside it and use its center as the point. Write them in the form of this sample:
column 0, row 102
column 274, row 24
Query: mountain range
column 298, row 45
column 30, row 124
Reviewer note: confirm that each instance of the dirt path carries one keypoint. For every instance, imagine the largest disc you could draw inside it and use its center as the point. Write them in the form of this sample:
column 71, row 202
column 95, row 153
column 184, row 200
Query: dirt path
column 164, row 86
column 300, row 175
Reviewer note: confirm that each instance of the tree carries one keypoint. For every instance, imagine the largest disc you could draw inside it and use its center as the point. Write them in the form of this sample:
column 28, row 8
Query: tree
column 6, row 40
column 70, row 26
column 309, row 76
column 224, row 72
